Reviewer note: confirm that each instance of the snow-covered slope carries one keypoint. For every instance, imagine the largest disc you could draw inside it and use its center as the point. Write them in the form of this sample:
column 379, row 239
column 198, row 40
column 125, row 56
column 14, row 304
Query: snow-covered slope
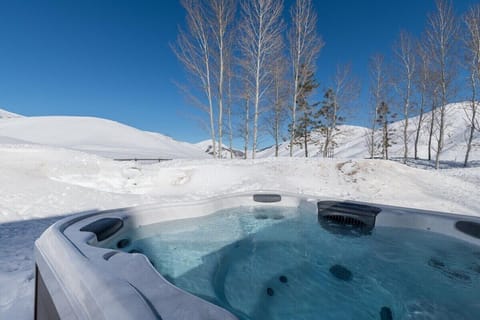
column 4, row 114
column 94, row 135
column 351, row 140
column 206, row 146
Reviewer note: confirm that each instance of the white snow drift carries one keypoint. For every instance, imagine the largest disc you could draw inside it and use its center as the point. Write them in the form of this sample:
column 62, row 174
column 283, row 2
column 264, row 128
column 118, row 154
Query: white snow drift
column 94, row 135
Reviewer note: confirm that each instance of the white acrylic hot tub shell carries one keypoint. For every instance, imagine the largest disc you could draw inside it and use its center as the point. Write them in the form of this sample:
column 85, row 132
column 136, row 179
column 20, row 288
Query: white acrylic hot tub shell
column 86, row 281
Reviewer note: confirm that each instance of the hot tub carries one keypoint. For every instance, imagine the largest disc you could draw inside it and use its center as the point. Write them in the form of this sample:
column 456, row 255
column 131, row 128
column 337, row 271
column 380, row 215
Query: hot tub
column 264, row 255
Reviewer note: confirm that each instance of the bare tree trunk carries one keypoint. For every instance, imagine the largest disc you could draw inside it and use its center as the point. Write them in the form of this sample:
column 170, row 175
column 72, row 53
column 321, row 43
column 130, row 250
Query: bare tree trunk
column 472, row 43
column 419, row 125
column 404, row 52
column 386, row 140
column 430, row 135
column 423, row 80
column 472, row 119
column 229, row 113
column 278, row 94
column 277, row 117
column 372, row 136
column 441, row 137
column 256, row 104
column 220, row 94
column 442, row 34
column 260, row 39
column 246, row 126
column 305, row 142
column 277, row 133
column 305, row 45
column 294, row 113
column 220, row 20
column 193, row 51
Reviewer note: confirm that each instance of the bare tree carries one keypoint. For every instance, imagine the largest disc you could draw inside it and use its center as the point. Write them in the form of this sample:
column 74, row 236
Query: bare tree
column 229, row 78
column 472, row 44
column 442, row 33
column 422, row 81
column 246, row 122
column 220, row 17
column 305, row 45
column 346, row 90
column 260, row 37
column 433, row 114
column 279, row 95
column 377, row 92
column 404, row 51
column 193, row 51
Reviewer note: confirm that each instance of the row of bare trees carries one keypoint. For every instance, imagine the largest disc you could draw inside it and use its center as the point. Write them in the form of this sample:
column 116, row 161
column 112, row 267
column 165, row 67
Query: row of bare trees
column 424, row 76
column 244, row 65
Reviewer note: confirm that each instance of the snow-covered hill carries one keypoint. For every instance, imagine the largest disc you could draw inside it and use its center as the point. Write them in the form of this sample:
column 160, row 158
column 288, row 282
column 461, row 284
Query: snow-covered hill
column 94, row 135
column 4, row 114
column 351, row 140
column 206, row 146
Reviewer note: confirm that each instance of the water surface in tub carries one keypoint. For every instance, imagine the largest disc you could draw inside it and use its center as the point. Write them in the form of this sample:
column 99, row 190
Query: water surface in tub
column 279, row 263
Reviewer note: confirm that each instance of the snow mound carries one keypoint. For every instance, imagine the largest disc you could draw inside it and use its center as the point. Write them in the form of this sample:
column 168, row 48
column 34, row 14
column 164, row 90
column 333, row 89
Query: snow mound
column 98, row 136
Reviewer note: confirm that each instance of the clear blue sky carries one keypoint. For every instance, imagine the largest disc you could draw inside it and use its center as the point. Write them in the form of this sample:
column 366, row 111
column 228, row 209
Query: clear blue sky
column 111, row 58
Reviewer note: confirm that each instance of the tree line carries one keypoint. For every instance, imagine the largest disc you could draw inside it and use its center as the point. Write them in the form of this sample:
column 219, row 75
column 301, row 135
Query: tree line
column 255, row 74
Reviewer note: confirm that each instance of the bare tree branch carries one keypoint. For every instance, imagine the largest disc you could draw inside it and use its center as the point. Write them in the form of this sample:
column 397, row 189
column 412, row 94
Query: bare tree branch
column 305, row 46
column 404, row 52
column 442, row 33
column 193, row 51
column 472, row 45
column 260, row 40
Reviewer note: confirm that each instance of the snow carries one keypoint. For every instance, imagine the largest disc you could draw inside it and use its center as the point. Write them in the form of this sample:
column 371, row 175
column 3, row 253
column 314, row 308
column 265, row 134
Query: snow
column 352, row 143
column 97, row 136
column 206, row 146
column 4, row 114
column 51, row 167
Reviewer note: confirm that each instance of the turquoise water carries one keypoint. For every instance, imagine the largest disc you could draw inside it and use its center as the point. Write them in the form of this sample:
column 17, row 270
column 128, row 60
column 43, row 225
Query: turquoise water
column 281, row 264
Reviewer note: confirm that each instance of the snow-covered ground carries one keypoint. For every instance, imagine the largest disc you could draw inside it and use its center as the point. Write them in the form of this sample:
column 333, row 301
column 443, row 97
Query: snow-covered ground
column 4, row 114
column 51, row 167
column 98, row 136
